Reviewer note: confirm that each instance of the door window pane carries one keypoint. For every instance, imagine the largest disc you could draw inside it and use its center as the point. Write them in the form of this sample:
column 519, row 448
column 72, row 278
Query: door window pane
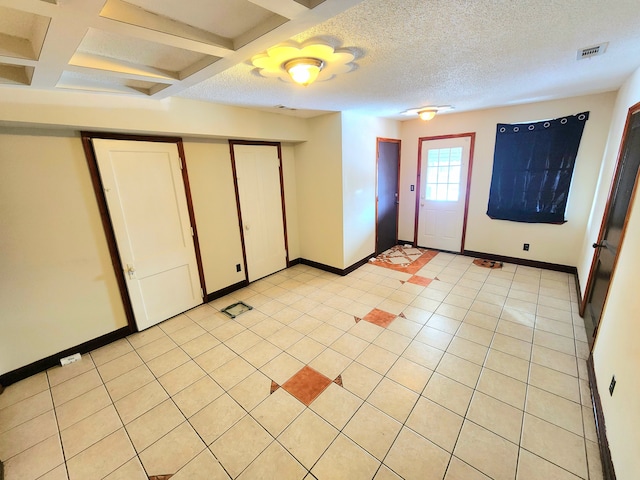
column 443, row 174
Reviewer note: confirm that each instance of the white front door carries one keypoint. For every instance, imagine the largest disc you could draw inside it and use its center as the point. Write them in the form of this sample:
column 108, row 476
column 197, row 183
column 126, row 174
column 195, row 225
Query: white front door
column 147, row 204
column 443, row 187
column 258, row 175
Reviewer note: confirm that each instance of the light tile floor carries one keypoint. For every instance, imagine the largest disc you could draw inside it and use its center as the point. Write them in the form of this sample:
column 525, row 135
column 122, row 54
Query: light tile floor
column 477, row 374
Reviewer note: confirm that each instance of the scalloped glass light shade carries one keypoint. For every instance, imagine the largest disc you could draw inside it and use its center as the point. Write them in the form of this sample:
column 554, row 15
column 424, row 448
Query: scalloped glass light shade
column 281, row 62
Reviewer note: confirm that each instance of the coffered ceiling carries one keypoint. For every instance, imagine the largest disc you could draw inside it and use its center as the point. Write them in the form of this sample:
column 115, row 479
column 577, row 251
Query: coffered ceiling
column 408, row 53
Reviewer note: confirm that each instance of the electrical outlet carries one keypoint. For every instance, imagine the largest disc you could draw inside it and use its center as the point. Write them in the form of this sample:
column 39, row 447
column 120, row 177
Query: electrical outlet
column 238, row 268
column 525, row 247
column 70, row 359
column 612, row 385
column 413, row 187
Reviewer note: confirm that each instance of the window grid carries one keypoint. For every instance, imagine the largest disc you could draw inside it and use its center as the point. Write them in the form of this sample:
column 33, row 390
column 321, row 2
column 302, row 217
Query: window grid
column 443, row 174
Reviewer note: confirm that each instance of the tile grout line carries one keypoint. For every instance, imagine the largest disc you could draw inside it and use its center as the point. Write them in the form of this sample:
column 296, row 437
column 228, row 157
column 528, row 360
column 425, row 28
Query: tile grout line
column 55, row 414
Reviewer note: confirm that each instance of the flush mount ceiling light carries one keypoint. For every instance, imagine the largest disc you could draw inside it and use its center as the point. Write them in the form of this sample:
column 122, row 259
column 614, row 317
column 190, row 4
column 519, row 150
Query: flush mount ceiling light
column 304, row 70
column 303, row 64
column 427, row 113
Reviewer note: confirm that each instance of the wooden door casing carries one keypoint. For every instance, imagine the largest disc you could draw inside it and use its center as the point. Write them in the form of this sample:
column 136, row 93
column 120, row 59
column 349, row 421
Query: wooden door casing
column 614, row 221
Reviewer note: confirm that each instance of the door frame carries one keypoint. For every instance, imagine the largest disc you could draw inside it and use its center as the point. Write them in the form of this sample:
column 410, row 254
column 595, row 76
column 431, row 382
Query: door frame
column 107, row 226
column 278, row 145
column 472, row 142
column 635, row 109
column 399, row 143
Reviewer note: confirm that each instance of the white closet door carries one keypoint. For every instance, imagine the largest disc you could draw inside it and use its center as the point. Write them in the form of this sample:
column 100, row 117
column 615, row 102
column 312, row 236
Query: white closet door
column 148, row 208
column 258, row 175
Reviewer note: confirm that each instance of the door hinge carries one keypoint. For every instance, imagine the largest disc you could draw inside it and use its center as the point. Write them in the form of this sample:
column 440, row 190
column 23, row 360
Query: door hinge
column 201, row 293
column 180, row 162
column 192, row 234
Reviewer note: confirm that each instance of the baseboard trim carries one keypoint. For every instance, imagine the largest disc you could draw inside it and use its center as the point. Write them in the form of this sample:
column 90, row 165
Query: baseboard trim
column 226, row 291
column 358, row 264
column 338, row 271
column 321, row 266
column 578, row 289
column 522, row 261
column 405, row 242
column 295, row 261
column 21, row 373
column 608, row 472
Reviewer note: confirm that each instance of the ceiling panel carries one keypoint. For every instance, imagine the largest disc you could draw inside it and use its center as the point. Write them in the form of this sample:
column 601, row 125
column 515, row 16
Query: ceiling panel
column 100, row 83
column 227, row 18
column 137, row 51
column 21, row 33
column 15, row 74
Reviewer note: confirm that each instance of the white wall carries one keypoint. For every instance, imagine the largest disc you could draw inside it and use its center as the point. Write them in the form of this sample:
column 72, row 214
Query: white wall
column 57, row 285
column 214, row 205
column 171, row 116
column 617, row 347
column 359, row 135
column 291, row 200
column 627, row 96
column 319, row 191
column 549, row 243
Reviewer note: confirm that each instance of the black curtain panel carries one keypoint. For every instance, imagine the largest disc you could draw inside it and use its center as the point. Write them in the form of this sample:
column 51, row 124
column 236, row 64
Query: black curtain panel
column 532, row 169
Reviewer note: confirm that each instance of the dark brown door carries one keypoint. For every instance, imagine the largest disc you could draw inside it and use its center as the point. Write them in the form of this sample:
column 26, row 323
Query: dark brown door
column 613, row 224
column 387, row 194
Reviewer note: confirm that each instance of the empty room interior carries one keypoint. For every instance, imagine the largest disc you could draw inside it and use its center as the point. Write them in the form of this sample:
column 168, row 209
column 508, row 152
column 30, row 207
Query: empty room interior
column 319, row 239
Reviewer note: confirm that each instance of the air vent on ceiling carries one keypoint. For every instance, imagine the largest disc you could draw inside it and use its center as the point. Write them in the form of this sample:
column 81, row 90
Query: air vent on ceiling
column 592, row 51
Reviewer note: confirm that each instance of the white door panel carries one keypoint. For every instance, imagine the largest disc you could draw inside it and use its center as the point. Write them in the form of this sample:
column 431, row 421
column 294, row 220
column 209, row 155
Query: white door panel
column 259, row 190
column 443, row 181
column 148, row 209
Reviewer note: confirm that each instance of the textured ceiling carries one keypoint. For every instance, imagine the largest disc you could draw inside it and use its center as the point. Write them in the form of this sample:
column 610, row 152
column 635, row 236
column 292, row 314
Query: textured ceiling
column 409, row 53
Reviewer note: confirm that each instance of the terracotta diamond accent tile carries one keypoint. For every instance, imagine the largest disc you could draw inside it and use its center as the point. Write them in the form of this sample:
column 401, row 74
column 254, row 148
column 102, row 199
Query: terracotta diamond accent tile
column 402, row 315
column 418, row 280
column 306, row 385
column 160, row 477
column 380, row 317
column 357, row 319
column 274, row 387
column 338, row 381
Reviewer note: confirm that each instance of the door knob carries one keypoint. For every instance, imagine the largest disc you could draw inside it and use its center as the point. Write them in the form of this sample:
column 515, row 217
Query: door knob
column 130, row 270
column 599, row 245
